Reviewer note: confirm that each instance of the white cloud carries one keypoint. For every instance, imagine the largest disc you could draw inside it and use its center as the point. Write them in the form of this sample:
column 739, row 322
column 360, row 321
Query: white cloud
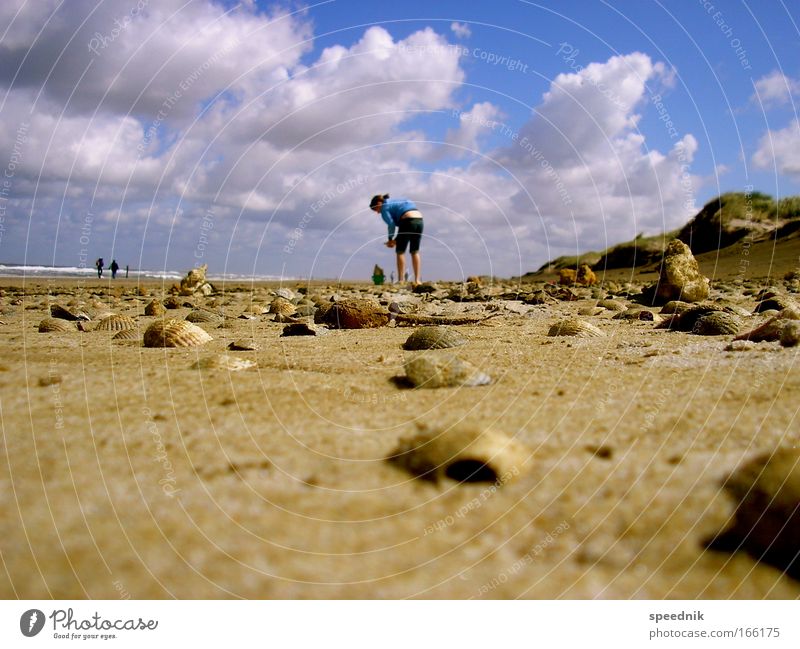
column 461, row 30
column 776, row 89
column 780, row 150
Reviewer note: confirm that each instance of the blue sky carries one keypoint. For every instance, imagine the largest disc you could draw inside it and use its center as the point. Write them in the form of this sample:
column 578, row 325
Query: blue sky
column 523, row 130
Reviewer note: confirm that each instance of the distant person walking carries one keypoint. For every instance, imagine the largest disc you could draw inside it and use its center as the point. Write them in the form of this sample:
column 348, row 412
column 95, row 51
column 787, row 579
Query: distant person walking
column 114, row 268
column 99, row 266
column 126, row 271
column 401, row 215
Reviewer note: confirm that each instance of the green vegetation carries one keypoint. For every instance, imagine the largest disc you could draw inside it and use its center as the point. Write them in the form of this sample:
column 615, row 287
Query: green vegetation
column 720, row 223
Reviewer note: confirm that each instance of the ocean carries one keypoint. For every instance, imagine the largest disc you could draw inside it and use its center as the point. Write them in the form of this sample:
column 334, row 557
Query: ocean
column 39, row 272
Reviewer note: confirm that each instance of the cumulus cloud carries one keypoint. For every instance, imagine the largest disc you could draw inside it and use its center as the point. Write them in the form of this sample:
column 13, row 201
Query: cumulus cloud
column 461, row 30
column 780, row 150
column 776, row 89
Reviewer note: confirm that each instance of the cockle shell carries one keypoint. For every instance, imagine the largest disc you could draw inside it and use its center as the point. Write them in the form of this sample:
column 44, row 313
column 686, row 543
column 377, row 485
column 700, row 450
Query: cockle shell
column 223, row 362
column 174, row 333
column 155, row 308
column 463, row 453
column 442, row 370
column 116, row 322
column 49, row 325
column 282, row 306
column 574, row 327
column 767, row 521
column 434, row 338
column 126, row 334
column 201, row 315
column 718, row 323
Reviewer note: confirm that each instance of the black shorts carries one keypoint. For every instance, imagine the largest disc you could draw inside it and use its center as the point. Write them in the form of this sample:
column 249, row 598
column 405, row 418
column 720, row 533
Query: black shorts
column 409, row 231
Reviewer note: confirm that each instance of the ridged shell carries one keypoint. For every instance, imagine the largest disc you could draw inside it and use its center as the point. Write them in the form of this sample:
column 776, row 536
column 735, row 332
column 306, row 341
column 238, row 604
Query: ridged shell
column 174, row 333
column 612, row 305
column 675, row 306
column 777, row 303
column 49, row 325
column 155, row 308
column 463, row 453
column 719, row 323
column 282, row 306
column 574, row 327
column 126, row 334
column 223, row 362
column 434, row 338
column 443, row 370
column 116, row 322
column 767, row 492
column 201, row 315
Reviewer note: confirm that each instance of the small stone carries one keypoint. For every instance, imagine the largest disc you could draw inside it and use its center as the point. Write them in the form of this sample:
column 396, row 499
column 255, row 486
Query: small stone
column 303, row 329
column 243, row 345
column 790, row 333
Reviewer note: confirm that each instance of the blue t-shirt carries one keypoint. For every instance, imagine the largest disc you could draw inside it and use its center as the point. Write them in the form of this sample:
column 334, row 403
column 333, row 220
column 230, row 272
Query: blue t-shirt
column 391, row 211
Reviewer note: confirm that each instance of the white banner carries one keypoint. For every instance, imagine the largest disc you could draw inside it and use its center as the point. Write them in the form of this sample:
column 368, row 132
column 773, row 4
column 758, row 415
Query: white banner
column 398, row 624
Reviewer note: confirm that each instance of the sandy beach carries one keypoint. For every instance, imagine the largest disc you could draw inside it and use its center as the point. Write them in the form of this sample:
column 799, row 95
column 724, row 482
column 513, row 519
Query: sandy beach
column 127, row 473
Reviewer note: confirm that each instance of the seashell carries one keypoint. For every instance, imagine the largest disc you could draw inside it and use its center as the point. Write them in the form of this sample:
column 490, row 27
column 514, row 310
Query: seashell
column 201, row 315
column 281, row 306
column 590, row 310
column 574, row 327
column 434, row 338
column 774, row 302
column 155, row 308
column 61, row 313
column 303, row 329
column 285, row 293
column 790, row 334
column 223, row 362
column 675, row 306
column 352, row 314
column 243, row 345
column 116, row 322
column 718, row 323
column 281, row 318
column 254, row 309
column 174, row 333
column 49, row 325
column 685, row 320
column 768, row 331
column 126, row 334
column 443, row 370
column 767, row 518
column 612, row 305
column 635, row 314
column 173, row 302
column 463, row 453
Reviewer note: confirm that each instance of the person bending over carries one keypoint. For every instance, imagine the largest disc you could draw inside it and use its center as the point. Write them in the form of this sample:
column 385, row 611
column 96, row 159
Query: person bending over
column 401, row 215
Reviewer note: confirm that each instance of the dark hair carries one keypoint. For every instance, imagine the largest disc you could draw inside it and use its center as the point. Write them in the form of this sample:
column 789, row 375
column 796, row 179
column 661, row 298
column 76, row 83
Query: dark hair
column 377, row 199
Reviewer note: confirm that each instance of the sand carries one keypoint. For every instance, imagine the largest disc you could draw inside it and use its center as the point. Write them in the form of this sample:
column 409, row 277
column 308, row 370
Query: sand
column 125, row 473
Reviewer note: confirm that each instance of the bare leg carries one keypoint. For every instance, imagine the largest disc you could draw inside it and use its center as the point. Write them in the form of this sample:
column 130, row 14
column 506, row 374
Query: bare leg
column 401, row 266
column 415, row 263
